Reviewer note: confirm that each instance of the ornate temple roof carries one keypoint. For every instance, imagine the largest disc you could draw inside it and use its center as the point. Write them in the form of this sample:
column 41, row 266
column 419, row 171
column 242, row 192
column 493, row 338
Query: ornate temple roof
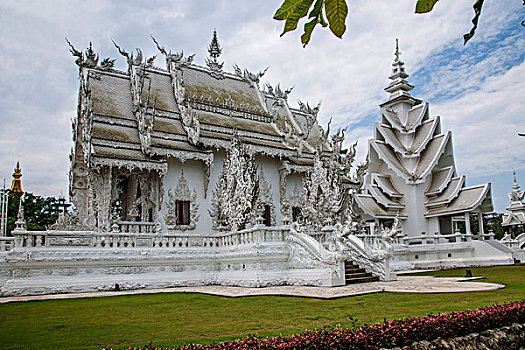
column 185, row 110
column 467, row 200
column 516, row 207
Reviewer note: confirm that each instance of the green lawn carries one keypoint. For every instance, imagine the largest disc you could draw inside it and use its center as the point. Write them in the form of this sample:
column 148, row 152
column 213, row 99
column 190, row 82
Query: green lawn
column 175, row 319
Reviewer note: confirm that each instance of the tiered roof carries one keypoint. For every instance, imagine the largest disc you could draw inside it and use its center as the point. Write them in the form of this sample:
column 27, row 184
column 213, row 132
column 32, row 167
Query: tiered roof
column 186, row 110
column 409, row 142
column 516, row 207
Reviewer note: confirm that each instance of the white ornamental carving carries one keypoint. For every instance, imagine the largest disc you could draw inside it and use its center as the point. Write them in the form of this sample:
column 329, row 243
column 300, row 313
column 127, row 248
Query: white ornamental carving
column 181, row 193
column 137, row 76
column 296, row 197
column 86, row 117
column 188, row 115
column 236, row 191
column 323, row 195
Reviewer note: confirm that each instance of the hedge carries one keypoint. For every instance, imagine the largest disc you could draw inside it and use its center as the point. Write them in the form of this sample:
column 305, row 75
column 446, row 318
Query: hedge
column 389, row 334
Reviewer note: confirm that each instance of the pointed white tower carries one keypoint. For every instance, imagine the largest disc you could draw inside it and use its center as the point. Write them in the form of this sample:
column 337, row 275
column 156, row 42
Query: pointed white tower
column 516, row 207
column 412, row 171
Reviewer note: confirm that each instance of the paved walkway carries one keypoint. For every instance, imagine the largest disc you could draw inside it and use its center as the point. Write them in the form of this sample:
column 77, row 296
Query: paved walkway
column 404, row 284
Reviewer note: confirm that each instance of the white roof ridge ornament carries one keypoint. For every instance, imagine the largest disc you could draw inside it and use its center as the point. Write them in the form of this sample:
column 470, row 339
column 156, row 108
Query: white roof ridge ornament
column 215, row 50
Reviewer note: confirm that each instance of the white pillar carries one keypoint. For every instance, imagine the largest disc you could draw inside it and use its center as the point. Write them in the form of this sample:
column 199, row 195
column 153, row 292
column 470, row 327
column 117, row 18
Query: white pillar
column 467, row 224
column 480, row 223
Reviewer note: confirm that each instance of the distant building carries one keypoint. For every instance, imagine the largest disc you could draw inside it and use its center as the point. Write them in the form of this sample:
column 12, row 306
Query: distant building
column 514, row 223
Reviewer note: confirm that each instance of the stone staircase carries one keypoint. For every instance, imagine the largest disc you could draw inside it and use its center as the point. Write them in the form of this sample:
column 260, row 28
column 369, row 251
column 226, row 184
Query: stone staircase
column 355, row 274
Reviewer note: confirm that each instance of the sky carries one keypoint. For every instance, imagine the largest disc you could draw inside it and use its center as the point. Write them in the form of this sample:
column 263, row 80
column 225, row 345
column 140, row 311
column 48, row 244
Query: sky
column 477, row 89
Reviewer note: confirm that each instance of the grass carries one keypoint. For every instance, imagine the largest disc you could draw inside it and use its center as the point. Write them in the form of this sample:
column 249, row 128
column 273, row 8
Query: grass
column 176, row 318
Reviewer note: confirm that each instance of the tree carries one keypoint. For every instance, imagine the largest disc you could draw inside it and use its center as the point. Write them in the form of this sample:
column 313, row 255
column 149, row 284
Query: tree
column 333, row 13
column 39, row 212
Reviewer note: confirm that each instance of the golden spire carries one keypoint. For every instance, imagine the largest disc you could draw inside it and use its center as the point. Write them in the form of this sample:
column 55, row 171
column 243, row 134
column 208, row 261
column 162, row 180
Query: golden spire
column 16, row 185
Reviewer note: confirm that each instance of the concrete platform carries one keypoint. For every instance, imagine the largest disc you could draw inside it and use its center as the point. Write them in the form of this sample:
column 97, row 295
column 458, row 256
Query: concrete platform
column 404, row 284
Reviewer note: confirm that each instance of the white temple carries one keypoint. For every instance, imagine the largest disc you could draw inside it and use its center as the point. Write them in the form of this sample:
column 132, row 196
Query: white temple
column 412, row 175
column 191, row 175
column 514, row 237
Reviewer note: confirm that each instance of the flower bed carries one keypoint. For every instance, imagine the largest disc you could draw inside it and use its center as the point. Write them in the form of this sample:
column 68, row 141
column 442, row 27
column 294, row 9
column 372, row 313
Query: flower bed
column 383, row 335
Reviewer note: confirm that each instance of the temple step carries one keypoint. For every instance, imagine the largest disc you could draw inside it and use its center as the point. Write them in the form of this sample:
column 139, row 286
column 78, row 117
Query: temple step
column 362, row 280
column 355, row 274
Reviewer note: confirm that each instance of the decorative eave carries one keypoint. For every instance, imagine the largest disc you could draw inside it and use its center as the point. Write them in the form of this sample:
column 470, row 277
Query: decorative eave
column 386, row 185
column 393, row 162
column 480, row 196
column 423, row 137
column 516, row 206
column 159, row 166
column 289, row 168
column 183, row 155
column 421, row 110
column 436, row 188
column 403, row 98
column 422, row 173
column 447, row 196
column 391, row 138
column 427, row 137
column 382, row 199
column 393, row 118
column 397, row 166
column 513, row 219
column 371, row 208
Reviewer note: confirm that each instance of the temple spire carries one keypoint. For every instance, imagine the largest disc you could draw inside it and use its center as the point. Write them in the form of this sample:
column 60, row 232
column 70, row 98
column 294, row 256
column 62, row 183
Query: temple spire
column 398, row 86
column 515, row 186
column 397, row 51
column 215, row 51
column 16, row 185
column 516, row 195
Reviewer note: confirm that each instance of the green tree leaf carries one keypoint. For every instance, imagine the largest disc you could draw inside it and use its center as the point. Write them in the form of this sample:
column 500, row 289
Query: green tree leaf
column 336, row 12
column 300, row 11
column 316, row 11
column 424, row 6
column 477, row 12
column 308, row 28
column 286, row 9
column 317, row 16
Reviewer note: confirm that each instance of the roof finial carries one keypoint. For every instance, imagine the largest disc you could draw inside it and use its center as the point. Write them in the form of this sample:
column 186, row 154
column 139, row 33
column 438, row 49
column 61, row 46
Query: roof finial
column 397, row 51
column 516, row 186
column 215, row 51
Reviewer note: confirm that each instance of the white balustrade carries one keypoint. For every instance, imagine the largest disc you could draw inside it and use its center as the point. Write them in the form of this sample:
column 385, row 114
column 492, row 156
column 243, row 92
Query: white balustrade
column 136, row 239
column 6, row 243
column 136, row 227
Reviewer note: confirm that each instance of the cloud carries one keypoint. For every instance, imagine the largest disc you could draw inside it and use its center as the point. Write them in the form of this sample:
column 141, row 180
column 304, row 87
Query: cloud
column 485, row 124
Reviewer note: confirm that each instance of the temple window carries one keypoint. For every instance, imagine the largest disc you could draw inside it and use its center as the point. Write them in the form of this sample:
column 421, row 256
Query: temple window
column 296, row 212
column 183, row 212
column 182, row 207
column 267, row 215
